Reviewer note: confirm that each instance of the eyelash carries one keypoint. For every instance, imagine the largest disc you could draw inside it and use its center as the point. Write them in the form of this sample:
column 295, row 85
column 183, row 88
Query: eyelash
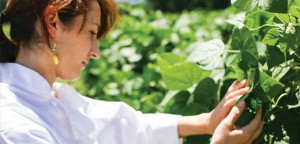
column 93, row 33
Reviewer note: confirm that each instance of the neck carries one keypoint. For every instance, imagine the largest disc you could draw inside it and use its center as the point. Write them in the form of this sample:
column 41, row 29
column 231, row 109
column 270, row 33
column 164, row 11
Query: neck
column 38, row 58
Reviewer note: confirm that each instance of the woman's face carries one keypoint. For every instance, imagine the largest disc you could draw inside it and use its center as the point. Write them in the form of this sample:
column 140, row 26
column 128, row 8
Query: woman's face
column 77, row 44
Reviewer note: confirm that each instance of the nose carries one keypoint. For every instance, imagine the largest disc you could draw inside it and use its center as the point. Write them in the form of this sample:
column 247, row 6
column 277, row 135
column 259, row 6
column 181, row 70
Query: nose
column 94, row 52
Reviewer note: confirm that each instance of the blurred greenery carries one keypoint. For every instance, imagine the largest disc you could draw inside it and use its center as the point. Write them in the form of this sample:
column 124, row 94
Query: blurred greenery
column 128, row 70
column 2, row 4
column 180, row 5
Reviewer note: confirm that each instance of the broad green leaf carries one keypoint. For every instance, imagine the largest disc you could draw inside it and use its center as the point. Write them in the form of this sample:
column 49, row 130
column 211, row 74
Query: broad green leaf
column 253, row 77
column 280, row 72
column 183, row 75
column 274, row 56
column 271, row 86
column 207, row 54
column 247, row 61
column 256, row 19
column 245, row 118
column 194, row 109
column 182, row 97
column 169, row 59
column 239, row 72
column 205, row 92
column 245, row 5
column 294, row 10
column 237, row 19
column 243, row 40
column 272, row 37
column 284, row 18
column 276, row 6
column 255, row 104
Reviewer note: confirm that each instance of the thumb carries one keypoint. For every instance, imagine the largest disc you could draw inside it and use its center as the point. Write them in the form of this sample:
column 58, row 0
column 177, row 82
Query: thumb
column 235, row 113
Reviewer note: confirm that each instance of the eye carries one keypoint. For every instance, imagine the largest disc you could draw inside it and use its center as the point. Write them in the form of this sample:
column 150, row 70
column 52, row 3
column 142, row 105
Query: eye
column 93, row 34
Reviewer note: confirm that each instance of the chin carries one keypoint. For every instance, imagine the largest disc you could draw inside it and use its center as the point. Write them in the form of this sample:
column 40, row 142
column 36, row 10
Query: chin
column 69, row 77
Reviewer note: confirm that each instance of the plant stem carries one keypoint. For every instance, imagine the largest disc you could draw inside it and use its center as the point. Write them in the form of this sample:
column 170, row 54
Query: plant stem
column 233, row 51
column 265, row 25
column 280, row 97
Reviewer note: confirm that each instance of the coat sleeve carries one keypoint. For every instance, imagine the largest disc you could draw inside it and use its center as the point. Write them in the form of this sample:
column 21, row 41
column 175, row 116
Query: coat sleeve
column 125, row 125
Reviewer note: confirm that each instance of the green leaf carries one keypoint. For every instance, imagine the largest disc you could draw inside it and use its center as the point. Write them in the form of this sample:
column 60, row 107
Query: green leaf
column 255, row 104
column 239, row 72
column 284, row 18
column 244, row 5
column 294, row 9
column 247, row 61
column 253, row 77
column 249, row 57
column 243, row 40
column 207, row 54
column 274, row 56
column 256, row 19
column 206, row 92
column 245, row 118
column 276, row 6
column 169, row 59
column 272, row 37
column 182, row 97
column 183, row 75
column 194, row 109
column 270, row 86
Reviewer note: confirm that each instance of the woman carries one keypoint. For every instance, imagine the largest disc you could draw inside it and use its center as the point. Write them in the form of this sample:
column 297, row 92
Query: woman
column 55, row 39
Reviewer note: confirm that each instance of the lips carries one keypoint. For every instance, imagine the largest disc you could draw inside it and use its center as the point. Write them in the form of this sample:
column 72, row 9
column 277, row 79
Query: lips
column 84, row 63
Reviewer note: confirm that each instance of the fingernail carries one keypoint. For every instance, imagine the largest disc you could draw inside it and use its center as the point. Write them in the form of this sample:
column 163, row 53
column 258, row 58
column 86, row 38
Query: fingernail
column 241, row 104
column 243, row 81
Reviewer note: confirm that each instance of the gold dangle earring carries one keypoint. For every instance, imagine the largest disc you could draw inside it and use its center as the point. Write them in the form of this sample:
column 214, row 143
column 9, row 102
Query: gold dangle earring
column 55, row 58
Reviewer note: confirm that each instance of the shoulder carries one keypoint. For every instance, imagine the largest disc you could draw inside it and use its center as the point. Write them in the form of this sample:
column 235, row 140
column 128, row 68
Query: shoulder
column 19, row 126
column 6, row 95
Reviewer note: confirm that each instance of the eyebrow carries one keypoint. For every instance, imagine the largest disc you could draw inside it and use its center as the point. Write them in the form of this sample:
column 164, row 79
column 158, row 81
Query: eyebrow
column 98, row 25
column 95, row 22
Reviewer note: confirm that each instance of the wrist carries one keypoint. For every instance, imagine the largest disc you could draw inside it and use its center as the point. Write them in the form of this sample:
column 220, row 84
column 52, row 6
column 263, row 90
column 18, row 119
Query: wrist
column 194, row 125
column 206, row 117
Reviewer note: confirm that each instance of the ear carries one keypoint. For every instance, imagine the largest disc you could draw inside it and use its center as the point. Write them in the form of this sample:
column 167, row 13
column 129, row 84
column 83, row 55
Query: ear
column 50, row 18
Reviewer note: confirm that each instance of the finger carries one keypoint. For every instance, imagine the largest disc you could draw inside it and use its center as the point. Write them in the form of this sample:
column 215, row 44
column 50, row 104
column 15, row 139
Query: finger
column 229, row 103
column 257, row 132
column 237, row 85
column 237, row 93
column 235, row 113
column 232, row 86
column 254, row 124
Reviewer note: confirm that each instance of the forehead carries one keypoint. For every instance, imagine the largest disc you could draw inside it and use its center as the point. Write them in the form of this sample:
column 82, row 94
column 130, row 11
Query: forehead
column 94, row 14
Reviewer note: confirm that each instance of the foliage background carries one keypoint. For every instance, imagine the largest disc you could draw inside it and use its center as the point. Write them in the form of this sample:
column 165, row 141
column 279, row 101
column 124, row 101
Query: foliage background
column 128, row 70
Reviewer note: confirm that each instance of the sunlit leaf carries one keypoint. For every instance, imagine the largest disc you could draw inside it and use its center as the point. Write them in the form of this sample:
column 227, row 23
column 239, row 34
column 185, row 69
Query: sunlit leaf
column 207, row 54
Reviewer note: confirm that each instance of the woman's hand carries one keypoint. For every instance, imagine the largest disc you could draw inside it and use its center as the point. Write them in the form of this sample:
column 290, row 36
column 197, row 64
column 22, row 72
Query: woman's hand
column 206, row 123
column 235, row 91
column 227, row 133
